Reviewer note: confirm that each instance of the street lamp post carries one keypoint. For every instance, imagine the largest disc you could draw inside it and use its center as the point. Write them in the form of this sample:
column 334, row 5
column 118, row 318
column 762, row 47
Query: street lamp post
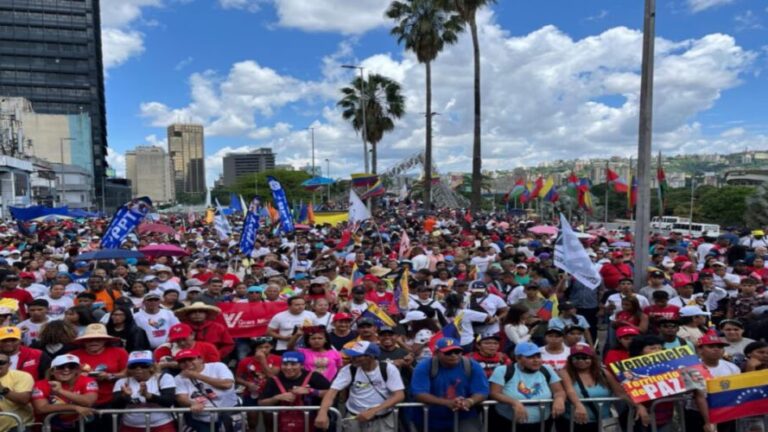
column 328, row 173
column 312, row 132
column 642, row 224
column 62, row 189
column 362, row 107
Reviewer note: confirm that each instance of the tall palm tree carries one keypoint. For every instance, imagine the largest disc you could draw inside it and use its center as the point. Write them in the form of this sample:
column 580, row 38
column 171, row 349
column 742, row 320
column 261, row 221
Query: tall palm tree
column 467, row 9
column 384, row 103
column 425, row 28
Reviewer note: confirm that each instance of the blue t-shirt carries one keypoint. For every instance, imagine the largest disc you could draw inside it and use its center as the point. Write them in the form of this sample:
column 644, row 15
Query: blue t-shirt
column 595, row 391
column 449, row 384
column 525, row 386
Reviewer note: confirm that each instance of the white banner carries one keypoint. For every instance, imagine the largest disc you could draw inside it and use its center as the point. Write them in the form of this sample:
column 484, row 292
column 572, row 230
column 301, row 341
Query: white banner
column 571, row 257
column 358, row 212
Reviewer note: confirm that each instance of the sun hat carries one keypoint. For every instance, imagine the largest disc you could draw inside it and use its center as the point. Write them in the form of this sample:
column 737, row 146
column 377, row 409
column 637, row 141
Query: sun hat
column 95, row 332
column 198, row 306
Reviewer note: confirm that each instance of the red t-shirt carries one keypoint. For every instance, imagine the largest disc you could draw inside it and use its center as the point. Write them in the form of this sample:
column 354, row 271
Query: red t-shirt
column 42, row 391
column 249, row 369
column 111, row 360
column 208, row 351
column 615, row 355
column 23, row 297
column 383, row 300
column 656, row 313
column 203, row 277
column 489, row 364
column 230, row 280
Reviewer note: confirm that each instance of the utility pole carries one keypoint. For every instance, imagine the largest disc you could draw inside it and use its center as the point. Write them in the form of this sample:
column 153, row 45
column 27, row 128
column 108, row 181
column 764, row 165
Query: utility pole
column 645, row 135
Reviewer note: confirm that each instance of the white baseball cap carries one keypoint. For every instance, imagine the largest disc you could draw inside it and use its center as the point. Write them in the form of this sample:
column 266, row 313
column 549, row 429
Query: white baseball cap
column 65, row 359
column 414, row 315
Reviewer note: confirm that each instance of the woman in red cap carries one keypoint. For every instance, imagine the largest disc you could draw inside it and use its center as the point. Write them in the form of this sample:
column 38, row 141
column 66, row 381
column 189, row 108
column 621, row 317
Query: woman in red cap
column 624, row 335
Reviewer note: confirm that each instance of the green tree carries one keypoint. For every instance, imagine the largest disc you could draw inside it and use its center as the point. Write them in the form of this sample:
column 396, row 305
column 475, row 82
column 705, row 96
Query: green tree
column 725, row 206
column 384, row 103
column 467, row 9
column 256, row 184
column 425, row 28
column 757, row 208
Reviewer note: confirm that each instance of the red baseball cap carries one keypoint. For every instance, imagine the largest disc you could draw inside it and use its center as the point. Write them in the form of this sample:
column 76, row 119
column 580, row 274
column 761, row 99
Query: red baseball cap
column 341, row 316
column 27, row 275
column 187, row 354
column 710, row 339
column 627, row 331
column 372, row 278
column 179, row 331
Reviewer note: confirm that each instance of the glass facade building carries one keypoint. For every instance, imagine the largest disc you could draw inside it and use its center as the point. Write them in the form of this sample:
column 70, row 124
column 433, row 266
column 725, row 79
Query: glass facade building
column 50, row 53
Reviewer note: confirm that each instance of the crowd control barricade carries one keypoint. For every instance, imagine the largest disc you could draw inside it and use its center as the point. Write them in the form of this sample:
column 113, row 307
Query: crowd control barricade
column 679, row 402
column 147, row 412
column 16, row 418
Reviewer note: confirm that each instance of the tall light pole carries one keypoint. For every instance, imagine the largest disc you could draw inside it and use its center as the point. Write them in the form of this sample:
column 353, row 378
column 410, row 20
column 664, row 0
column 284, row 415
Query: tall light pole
column 363, row 103
column 328, row 173
column 642, row 224
column 312, row 132
column 62, row 189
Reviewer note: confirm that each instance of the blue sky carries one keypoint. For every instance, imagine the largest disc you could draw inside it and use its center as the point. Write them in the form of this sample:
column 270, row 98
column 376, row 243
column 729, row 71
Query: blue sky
column 560, row 79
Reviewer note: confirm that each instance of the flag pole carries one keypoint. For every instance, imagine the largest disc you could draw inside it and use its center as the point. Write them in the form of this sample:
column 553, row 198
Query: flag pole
column 607, row 185
column 659, row 190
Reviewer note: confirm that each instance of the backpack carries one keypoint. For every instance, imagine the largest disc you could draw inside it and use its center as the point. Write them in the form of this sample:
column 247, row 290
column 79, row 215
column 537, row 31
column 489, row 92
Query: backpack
column 511, row 370
column 467, row 363
column 382, row 369
column 292, row 421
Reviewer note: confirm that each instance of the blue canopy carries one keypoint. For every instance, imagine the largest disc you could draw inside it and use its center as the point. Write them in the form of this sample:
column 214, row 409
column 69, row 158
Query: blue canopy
column 318, row 181
column 33, row 212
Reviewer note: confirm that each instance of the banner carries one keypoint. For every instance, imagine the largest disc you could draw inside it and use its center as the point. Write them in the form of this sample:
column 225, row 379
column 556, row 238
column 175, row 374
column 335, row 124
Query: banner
column 737, row 396
column 571, row 257
column 661, row 374
column 331, row 218
column 250, row 226
column 127, row 217
column 281, row 202
column 245, row 320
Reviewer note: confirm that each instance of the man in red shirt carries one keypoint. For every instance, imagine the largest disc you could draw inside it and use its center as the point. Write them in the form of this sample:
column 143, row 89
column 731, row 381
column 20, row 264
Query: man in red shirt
column 12, row 291
column 104, row 363
column 29, row 360
column 615, row 271
column 201, row 272
column 229, row 279
column 200, row 317
column 181, row 337
column 487, row 353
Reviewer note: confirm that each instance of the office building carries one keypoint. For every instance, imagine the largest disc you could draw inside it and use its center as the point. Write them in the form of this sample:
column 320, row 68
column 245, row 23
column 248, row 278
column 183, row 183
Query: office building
column 50, row 53
column 150, row 172
column 186, row 148
column 239, row 164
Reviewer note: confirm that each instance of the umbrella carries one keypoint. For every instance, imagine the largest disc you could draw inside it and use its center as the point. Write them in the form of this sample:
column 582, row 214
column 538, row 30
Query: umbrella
column 155, row 228
column 301, row 227
column 544, row 230
column 52, row 218
column 621, row 244
column 584, row 235
column 158, row 250
column 108, row 254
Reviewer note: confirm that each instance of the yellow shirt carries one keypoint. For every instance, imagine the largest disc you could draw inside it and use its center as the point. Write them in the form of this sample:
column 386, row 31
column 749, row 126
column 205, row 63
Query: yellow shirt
column 339, row 283
column 17, row 381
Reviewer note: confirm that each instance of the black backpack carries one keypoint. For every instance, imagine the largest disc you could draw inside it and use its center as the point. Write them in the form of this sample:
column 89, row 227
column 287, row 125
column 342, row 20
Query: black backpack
column 382, row 369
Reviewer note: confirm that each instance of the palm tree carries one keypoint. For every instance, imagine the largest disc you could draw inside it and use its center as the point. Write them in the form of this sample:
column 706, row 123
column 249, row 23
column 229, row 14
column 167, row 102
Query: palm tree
column 425, row 28
column 467, row 9
column 384, row 103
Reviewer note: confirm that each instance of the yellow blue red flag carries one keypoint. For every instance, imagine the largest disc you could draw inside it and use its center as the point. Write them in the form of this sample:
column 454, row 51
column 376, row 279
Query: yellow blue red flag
column 736, row 396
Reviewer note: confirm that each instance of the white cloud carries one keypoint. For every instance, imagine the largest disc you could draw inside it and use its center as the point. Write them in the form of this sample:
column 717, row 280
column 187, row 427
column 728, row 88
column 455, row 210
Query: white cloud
column 116, row 161
column 248, row 5
column 747, row 20
column 154, row 141
column 183, row 63
column 323, row 15
column 544, row 97
column 702, row 5
column 120, row 38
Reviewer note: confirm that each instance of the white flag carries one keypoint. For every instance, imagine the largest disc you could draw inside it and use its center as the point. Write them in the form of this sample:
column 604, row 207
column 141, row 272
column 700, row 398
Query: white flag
column 358, row 212
column 221, row 223
column 571, row 257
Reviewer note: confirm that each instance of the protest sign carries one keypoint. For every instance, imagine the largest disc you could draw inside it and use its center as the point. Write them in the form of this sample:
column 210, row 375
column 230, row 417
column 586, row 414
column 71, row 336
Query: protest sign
column 245, row 320
column 661, row 374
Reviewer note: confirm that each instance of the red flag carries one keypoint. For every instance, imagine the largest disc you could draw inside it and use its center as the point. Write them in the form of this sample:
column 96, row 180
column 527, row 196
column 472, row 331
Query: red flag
column 346, row 237
column 405, row 244
column 537, row 186
column 619, row 184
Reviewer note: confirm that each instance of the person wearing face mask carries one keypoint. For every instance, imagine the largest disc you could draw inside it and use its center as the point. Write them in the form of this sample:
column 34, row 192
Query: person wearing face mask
column 65, row 390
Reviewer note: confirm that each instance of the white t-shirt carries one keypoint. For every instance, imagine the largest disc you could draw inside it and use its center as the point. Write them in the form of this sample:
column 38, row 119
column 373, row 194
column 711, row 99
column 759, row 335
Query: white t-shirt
column 615, row 299
column 730, row 277
column 30, row 331
column 555, row 361
column 419, row 262
column 73, row 289
column 57, row 307
column 482, row 263
column 207, row 394
column 723, row 368
column 154, row 385
column 156, row 325
column 364, row 391
column 492, row 304
column 414, row 304
column 37, row 290
column 466, row 331
column 284, row 323
column 517, row 294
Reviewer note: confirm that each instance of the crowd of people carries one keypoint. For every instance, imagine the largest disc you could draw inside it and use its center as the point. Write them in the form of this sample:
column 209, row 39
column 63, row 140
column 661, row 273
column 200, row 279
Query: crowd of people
column 77, row 337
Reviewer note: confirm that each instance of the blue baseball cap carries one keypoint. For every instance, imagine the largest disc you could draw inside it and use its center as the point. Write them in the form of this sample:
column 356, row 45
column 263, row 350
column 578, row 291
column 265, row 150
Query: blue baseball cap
column 64, row 274
column 362, row 348
column 526, row 349
column 293, row 357
column 256, row 288
column 81, row 264
column 448, row 344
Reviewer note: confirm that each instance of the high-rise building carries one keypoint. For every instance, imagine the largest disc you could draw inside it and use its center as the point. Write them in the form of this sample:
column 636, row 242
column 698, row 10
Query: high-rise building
column 50, row 53
column 239, row 164
column 187, row 151
column 151, row 174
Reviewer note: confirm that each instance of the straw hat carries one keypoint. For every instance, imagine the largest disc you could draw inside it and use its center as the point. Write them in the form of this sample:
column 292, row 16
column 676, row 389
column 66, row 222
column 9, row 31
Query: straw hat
column 96, row 332
column 379, row 271
column 198, row 306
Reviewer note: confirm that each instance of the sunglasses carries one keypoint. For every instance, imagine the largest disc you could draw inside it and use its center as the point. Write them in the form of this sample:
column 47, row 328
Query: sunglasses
column 68, row 366
column 670, row 325
column 139, row 366
column 4, row 362
column 581, row 358
column 453, row 353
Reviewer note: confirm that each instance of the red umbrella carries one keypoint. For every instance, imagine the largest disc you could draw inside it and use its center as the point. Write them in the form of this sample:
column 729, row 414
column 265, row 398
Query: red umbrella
column 155, row 228
column 159, row 250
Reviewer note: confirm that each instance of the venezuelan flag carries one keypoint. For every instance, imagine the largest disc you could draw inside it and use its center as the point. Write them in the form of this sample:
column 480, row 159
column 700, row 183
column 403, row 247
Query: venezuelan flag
column 375, row 313
column 546, row 187
column 546, row 311
column 450, row 331
column 360, row 180
column 403, row 291
column 736, row 396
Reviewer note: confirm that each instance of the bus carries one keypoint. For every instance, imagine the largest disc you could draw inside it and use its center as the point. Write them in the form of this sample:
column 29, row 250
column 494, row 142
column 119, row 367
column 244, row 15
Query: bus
column 696, row 229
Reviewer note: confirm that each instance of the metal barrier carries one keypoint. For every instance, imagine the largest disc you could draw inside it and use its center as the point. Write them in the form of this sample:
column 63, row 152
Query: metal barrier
column 16, row 418
column 679, row 401
column 275, row 410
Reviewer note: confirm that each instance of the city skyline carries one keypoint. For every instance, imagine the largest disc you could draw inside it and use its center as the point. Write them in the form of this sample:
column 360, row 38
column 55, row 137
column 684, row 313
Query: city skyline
column 267, row 93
